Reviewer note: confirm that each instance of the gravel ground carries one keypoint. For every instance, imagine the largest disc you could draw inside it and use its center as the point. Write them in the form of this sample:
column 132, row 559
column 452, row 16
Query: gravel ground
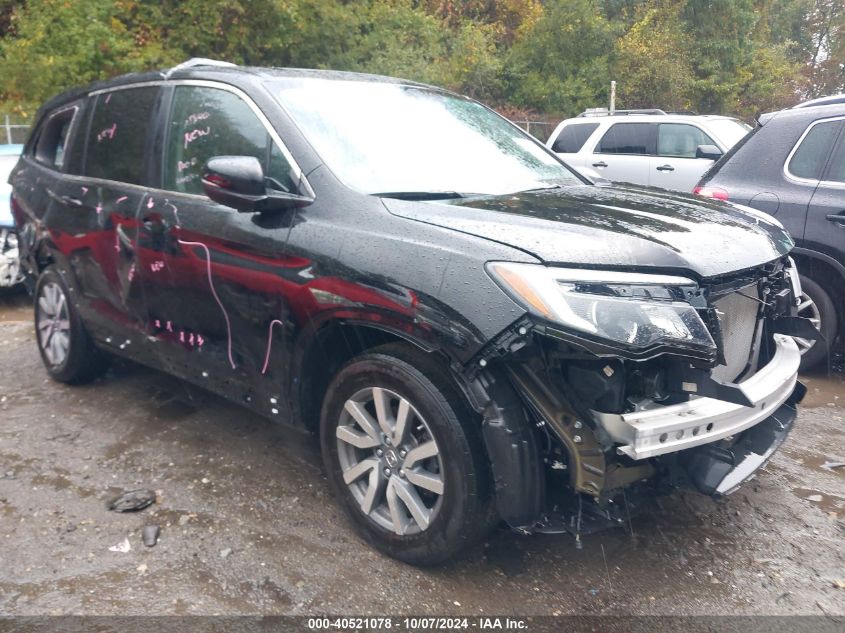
column 248, row 525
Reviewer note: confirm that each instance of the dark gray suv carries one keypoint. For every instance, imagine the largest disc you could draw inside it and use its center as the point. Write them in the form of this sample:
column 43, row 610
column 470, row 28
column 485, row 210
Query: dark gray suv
column 792, row 166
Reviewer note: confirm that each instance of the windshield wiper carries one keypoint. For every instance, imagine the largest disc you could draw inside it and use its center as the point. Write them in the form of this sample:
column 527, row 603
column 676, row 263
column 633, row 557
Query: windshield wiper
column 546, row 188
column 421, row 195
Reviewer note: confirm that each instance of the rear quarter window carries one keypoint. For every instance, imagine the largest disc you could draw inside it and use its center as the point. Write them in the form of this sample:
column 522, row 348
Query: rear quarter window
column 50, row 147
column 572, row 137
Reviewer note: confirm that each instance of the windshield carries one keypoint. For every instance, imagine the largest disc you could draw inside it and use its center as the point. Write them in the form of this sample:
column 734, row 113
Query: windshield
column 729, row 131
column 388, row 138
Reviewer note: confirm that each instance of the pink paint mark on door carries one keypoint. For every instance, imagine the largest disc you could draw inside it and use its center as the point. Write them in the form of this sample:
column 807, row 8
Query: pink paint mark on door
column 216, row 298
column 270, row 344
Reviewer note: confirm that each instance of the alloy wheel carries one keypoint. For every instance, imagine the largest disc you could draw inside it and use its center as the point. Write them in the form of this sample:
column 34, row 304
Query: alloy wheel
column 53, row 323
column 390, row 461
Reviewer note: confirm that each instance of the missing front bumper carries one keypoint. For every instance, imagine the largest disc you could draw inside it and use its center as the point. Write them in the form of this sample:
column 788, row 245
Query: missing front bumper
column 662, row 430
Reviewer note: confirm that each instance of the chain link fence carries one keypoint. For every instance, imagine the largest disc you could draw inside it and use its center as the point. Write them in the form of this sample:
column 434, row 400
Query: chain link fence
column 15, row 129
column 541, row 130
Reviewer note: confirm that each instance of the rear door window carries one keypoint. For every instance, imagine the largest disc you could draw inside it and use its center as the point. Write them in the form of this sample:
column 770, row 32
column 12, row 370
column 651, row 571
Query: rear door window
column 572, row 137
column 207, row 122
column 680, row 140
column 118, row 134
column 629, row 138
column 810, row 157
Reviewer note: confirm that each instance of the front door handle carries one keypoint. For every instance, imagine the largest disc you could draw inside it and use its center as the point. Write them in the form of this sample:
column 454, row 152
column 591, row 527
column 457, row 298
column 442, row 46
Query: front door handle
column 665, row 168
column 68, row 201
column 601, row 163
column 837, row 218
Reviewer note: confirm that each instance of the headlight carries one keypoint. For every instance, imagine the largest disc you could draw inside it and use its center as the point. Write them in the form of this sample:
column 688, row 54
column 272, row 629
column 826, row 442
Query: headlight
column 637, row 310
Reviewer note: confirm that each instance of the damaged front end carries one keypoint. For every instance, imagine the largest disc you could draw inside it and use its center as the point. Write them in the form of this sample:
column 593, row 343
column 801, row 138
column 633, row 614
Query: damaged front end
column 10, row 270
column 631, row 382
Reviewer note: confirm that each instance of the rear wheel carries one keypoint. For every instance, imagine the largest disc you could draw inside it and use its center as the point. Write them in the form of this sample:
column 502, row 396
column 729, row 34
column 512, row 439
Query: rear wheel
column 66, row 349
column 817, row 306
column 404, row 457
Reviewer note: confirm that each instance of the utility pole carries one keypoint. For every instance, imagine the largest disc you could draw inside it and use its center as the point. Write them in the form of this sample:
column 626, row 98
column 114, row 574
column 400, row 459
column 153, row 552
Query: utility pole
column 612, row 96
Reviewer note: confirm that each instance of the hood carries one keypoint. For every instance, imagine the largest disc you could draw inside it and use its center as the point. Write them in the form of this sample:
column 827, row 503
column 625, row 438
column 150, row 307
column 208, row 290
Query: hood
column 614, row 226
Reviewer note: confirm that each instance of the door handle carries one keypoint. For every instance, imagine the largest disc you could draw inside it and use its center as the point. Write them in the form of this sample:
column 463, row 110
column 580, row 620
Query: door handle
column 837, row 218
column 601, row 163
column 665, row 168
column 154, row 223
column 68, row 201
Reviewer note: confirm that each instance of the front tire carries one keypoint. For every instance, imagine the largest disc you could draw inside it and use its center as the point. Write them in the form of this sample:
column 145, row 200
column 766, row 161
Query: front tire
column 66, row 349
column 817, row 306
column 404, row 457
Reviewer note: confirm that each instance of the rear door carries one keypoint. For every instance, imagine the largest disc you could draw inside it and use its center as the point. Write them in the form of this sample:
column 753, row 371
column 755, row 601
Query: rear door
column 623, row 153
column 102, row 198
column 675, row 166
column 806, row 201
column 825, row 228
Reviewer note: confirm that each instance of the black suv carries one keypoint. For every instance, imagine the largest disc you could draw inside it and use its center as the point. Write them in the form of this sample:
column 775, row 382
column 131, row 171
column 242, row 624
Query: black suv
column 474, row 330
column 792, row 166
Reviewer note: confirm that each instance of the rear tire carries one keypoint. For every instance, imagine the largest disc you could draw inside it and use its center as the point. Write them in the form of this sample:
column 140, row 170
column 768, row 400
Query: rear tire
column 68, row 353
column 817, row 304
column 421, row 491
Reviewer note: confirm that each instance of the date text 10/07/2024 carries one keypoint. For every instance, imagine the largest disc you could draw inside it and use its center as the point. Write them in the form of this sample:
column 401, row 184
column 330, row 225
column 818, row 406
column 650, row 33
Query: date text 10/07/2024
column 418, row 623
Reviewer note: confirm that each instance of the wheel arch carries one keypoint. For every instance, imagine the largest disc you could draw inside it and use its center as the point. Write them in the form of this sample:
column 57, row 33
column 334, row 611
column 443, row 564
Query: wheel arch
column 828, row 273
column 510, row 442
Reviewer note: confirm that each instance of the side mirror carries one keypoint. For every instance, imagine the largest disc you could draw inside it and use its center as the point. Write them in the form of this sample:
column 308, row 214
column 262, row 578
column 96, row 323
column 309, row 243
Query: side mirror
column 239, row 182
column 710, row 152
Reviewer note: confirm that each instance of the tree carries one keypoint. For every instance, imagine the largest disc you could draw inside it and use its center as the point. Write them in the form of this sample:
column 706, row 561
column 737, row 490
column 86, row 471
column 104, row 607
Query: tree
column 562, row 64
column 57, row 44
column 650, row 70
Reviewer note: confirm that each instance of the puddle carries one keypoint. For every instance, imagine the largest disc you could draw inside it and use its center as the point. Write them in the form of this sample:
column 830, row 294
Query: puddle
column 829, row 504
column 826, row 384
column 817, row 462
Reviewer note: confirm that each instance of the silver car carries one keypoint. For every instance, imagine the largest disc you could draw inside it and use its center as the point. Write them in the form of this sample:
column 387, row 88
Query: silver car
column 645, row 147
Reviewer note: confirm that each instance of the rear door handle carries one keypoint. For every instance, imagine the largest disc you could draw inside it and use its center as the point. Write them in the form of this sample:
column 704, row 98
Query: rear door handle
column 154, row 223
column 68, row 201
column 837, row 218
column 665, row 168
column 601, row 163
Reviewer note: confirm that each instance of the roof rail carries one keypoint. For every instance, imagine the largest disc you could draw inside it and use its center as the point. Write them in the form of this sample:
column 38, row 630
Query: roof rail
column 605, row 112
column 199, row 61
column 832, row 99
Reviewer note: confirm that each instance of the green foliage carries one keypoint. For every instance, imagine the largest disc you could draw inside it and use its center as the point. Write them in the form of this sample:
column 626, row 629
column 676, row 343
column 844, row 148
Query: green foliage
column 562, row 63
column 551, row 56
column 647, row 61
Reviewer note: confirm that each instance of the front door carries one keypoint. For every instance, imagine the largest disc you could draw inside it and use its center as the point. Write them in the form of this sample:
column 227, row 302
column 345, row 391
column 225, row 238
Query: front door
column 674, row 165
column 215, row 279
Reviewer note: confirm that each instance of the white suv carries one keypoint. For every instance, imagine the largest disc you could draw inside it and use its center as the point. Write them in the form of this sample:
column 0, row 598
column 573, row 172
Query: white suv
column 645, row 147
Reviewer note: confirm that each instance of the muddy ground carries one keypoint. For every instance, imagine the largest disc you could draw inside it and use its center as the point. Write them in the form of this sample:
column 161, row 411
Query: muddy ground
column 248, row 525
